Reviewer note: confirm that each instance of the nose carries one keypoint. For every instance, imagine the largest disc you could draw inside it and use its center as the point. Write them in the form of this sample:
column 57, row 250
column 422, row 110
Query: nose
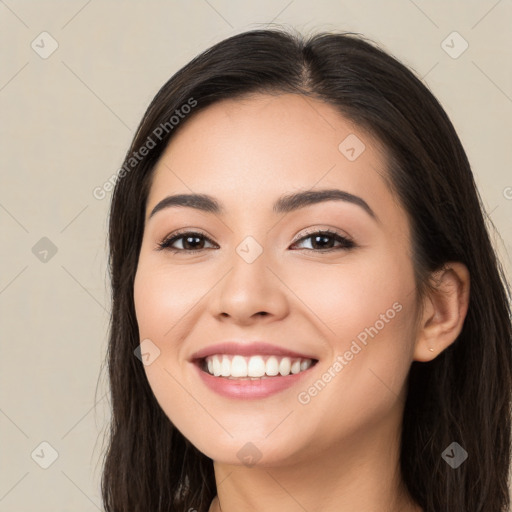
column 250, row 292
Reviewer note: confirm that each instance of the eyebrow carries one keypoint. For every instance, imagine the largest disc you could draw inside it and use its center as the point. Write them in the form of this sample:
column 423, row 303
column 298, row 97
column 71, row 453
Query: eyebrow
column 284, row 204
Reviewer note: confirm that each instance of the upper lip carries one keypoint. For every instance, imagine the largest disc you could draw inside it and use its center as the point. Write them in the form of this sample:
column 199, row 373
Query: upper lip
column 247, row 349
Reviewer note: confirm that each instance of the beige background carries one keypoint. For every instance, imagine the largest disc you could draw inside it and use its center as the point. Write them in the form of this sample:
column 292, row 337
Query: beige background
column 66, row 123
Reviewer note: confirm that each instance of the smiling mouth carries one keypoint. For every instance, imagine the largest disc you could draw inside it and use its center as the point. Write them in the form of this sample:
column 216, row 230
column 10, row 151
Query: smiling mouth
column 257, row 367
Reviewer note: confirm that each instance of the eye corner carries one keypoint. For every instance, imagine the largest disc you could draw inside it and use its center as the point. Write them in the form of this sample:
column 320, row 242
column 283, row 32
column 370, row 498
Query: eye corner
column 165, row 243
column 346, row 241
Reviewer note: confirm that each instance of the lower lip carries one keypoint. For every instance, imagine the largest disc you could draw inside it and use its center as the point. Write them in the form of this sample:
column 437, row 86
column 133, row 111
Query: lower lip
column 247, row 389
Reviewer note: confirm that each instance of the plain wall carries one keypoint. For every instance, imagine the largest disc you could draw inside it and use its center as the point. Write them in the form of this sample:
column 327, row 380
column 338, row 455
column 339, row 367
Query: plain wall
column 66, row 123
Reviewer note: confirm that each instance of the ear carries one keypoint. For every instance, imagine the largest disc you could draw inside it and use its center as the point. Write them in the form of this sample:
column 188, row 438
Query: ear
column 444, row 311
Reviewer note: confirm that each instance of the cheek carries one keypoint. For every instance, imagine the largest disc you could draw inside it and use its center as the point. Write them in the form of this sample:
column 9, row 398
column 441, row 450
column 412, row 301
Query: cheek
column 149, row 299
column 365, row 312
column 163, row 297
column 346, row 299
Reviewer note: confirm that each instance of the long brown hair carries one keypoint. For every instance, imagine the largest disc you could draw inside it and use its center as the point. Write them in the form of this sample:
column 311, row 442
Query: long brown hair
column 463, row 395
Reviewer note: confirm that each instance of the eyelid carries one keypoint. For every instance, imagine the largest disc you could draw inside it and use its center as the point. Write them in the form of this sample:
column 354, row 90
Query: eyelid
column 315, row 230
column 166, row 243
column 175, row 235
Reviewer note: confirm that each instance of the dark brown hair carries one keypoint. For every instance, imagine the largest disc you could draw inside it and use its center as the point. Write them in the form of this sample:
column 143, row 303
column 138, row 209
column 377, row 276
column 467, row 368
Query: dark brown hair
column 463, row 395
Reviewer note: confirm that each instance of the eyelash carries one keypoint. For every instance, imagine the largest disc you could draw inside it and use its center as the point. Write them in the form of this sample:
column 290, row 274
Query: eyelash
column 347, row 244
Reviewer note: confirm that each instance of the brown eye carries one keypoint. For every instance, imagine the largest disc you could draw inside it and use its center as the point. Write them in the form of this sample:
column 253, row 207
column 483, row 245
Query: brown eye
column 323, row 241
column 190, row 241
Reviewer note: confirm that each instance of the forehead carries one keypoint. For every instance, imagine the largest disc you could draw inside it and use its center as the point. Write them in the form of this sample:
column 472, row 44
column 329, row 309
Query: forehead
column 250, row 150
column 294, row 123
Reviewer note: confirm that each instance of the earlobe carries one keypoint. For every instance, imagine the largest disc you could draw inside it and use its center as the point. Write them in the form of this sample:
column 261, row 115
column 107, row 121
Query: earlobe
column 444, row 311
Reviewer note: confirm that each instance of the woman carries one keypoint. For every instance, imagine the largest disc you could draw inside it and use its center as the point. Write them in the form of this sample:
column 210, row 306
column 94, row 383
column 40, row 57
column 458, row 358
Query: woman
column 308, row 313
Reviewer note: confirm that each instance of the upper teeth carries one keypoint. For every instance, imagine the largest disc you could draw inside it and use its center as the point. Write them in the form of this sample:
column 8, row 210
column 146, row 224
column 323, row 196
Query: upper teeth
column 223, row 365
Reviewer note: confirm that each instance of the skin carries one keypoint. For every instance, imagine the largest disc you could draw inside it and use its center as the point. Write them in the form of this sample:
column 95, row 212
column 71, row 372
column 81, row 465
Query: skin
column 340, row 451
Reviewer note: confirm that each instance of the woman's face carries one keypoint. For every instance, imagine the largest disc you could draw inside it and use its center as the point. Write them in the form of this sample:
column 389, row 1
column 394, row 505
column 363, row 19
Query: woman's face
column 263, row 288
